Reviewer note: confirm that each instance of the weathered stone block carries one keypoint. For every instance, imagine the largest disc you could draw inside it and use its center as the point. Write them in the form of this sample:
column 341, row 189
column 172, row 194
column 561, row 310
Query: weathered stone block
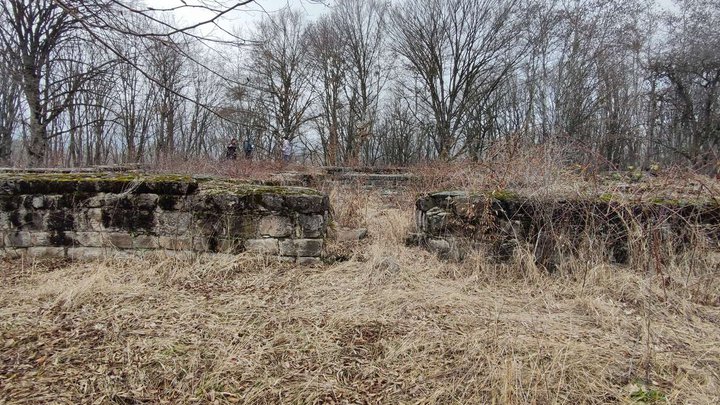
column 50, row 202
column 301, row 247
column 168, row 186
column 40, row 239
column 311, row 226
column 15, row 218
column 174, row 223
column 71, row 201
column 205, row 244
column 9, row 202
column 200, row 244
column 144, row 201
column 243, row 226
column 171, row 202
column 440, row 246
column 230, row 245
column 208, row 225
column 145, row 242
column 463, row 206
column 307, row 204
column 436, row 221
column 38, row 202
column 286, row 247
column 266, row 246
column 46, row 252
column 97, row 201
column 62, row 238
column 175, row 243
column 89, row 239
column 309, row 261
column 60, row 221
column 89, row 220
column 4, row 221
column 115, row 201
column 272, row 202
column 308, row 247
column 424, row 204
column 78, row 253
column 26, row 202
column 217, row 203
column 18, row 239
column 12, row 253
column 34, row 221
column 128, row 220
column 120, row 240
column 275, row 226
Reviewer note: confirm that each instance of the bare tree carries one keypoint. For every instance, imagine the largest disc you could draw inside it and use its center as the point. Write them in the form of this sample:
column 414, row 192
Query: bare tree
column 280, row 72
column 362, row 26
column 460, row 50
column 9, row 112
column 401, row 142
column 329, row 69
column 133, row 97
column 687, row 79
column 166, row 66
column 204, row 90
column 33, row 34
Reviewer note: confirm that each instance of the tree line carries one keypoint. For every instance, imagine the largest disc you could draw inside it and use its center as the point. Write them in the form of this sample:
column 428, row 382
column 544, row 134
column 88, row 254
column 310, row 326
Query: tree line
column 620, row 82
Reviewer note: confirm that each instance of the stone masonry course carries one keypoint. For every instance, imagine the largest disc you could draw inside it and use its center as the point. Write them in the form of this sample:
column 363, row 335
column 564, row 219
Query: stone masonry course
column 83, row 215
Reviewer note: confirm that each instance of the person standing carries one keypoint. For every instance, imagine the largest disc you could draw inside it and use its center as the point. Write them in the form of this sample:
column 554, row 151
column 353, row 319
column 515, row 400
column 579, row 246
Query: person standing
column 248, row 148
column 286, row 150
column 231, row 153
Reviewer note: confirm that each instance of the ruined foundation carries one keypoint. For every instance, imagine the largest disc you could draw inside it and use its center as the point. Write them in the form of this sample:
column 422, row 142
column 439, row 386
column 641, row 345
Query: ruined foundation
column 456, row 223
column 77, row 215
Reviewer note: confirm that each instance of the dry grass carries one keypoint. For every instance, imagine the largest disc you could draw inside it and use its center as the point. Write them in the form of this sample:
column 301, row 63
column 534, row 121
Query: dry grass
column 548, row 171
column 391, row 325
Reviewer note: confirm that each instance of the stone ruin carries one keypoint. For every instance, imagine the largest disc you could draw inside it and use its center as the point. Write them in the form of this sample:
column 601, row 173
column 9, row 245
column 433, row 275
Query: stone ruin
column 91, row 214
column 365, row 177
column 78, row 215
column 455, row 223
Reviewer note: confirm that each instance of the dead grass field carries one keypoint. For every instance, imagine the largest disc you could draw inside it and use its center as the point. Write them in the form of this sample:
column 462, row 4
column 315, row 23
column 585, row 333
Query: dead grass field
column 393, row 324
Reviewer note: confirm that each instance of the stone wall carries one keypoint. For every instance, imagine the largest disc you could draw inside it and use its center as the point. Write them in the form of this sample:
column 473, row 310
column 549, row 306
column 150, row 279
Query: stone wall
column 80, row 215
column 366, row 177
column 454, row 223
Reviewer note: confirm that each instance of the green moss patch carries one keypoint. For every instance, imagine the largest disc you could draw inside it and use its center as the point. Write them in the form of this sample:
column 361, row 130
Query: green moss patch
column 64, row 183
column 240, row 188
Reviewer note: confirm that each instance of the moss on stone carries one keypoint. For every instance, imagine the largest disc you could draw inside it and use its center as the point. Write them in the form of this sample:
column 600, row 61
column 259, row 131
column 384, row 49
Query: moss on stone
column 47, row 183
column 668, row 202
column 235, row 187
column 65, row 183
column 123, row 177
column 504, row 195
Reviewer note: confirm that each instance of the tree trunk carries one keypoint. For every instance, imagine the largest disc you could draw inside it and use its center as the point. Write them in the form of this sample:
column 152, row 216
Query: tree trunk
column 5, row 146
column 38, row 130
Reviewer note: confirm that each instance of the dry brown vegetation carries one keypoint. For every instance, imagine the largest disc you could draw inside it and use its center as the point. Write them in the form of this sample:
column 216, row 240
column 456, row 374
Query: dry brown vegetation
column 393, row 324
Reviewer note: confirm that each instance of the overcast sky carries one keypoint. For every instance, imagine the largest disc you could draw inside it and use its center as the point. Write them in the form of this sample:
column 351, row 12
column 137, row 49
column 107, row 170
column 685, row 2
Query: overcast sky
column 245, row 17
column 253, row 11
